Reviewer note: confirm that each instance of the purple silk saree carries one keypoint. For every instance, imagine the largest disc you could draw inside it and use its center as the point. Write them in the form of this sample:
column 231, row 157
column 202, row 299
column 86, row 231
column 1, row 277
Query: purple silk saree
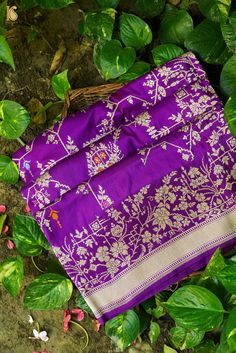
column 138, row 190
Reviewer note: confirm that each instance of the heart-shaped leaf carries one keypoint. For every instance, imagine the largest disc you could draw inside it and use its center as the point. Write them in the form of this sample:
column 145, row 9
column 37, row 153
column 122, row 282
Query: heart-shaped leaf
column 183, row 338
column 215, row 265
column 112, row 60
column 207, row 42
column 228, row 77
column 48, row 291
column 229, row 32
column 227, row 277
column 175, row 26
column 196, row 307
column 138, row 69
column 165, row 52
column 149, row 8
column 134, row 32
column 98, row 25
column 107, row 3
column 230, row 114
column 11, row 274
column 8, row 170
column 60, row 84
column 14, row 119
column 28, row 237
column 215, row 10
column 54, row 4
column 6, row 53
column 154, row 332
column 123, row 329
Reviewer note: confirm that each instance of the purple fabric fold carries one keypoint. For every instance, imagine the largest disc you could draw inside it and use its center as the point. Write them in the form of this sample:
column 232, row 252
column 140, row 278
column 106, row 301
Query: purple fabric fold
column 138, row 190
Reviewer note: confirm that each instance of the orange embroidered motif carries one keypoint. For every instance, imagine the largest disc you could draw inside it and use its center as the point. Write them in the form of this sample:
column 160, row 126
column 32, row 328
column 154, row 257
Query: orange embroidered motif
column 54, row 215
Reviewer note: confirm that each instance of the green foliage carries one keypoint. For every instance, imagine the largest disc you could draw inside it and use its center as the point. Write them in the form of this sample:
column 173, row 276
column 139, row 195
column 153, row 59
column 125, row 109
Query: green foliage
column 48, row 291
column 28, row 237
column 215, row 10
column 123, row 329
column 229, row 32
column 175, row 26
column 149, row 8
column 215, row 265
column 108, row 3
column 138, row 69
column 5, row 53
column 168, row 349
column 98, row 25
column 165, row 52
column 134, row 32
column 60, row 84
column 53, row 4
column 230, row 113
column 8, row 170
column 3, row 11
column 206, row 347
column 183, row 338
column 3, row 218
column 196, row 307
column 154, row 332
column 14, row 119
column 11, row 274
column 228, row 77
column 112, row 60
column 227, row 277
column 81, row 303
column 207, row 42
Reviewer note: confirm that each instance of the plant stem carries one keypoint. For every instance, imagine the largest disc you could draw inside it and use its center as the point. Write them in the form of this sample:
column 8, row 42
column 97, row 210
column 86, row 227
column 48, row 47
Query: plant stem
column 83, row 329
column 7, row 238
column 36, row 266
column 21, row 141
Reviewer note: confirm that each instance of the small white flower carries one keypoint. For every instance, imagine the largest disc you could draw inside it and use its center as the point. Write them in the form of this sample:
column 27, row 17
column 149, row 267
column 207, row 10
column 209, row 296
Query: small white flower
column 31, row 320
column 40, row 335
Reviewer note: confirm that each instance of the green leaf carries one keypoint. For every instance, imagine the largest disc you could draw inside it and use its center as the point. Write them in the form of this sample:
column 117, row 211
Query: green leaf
column 81, row 303
column 3, row 218
column 229, row 32
column 228, row 77
column 60, row 84
column 196, row 307
column 8, row 170
column 99, row 25
column 107, row 3
column 123, row 329
column 154, row 332
column 175, row 26
column 183, row 338
column 11, row 274
column 27, row 4
column 14, row 119
column 230, row 114
column 28, row 237
column 6, row 53
column 165, row 52
column 168, row 349
column 141, row 348
column 230, row 330
column 228, row 278
column 49, row 291
column 149, row 8
column 207, row 42
column 206, row 347
column 3, row 12
column 138, row 69
column 54, row 4
column 215, row 10
column 134, row 32
column 112, row 60
column 215, row 265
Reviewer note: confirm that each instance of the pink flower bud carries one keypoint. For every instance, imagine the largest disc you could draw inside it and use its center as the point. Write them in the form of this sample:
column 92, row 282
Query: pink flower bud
column 5, row 229
column 10, row 244
column 79, row 314
column 3, row 208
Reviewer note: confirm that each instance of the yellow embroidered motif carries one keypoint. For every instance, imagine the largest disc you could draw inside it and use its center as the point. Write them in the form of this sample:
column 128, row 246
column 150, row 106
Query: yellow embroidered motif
column 54, row 215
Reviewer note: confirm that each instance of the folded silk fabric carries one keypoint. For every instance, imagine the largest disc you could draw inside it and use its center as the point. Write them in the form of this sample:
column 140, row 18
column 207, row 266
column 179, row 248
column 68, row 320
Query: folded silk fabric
column 138, row 190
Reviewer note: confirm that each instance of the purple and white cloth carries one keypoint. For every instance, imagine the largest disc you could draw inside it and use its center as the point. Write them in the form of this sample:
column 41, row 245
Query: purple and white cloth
column 138, row 190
